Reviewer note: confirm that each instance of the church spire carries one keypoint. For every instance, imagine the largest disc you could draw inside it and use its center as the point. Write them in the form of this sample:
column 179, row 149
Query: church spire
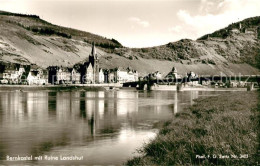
column 93, row 52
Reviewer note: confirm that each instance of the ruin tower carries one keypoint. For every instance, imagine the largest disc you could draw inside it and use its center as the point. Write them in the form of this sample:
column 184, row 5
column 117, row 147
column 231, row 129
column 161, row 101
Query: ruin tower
column 93, row 59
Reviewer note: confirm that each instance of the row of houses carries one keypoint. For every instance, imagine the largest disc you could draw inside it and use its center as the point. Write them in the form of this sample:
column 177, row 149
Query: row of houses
column 12, row 72
column 64, row 75
column 61, row 75
column 87, row 73
column 192, row 75
column 33, row 75
column 22, row 74
column 173, row 74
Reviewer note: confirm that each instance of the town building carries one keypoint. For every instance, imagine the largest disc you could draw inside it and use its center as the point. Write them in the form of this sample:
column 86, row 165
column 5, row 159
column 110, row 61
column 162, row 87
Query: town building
column 89, row 74
column 132, row 75
column 112, row 76
column 205, row 82
column 13, row 73
column 63, row 75
column 90, row 69
column 37, row 76
column 154, row 76
column 33, row 77
column 75, row 76
column 106, row 75
column 191, row 75
column 52, row 74
column 21, row 70
column 173, row 74
column 101, row 76
column 94, row 61
column 122, row 75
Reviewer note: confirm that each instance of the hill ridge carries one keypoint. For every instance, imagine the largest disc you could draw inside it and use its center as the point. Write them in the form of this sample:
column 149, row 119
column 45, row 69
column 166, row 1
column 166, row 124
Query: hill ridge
column 33, row 40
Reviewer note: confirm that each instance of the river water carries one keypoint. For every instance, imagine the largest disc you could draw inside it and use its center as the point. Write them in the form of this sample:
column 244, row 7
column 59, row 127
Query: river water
column 97, row 127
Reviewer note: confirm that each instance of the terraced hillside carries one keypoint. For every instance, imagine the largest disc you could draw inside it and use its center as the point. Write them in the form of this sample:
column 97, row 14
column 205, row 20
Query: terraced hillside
column 28, row 39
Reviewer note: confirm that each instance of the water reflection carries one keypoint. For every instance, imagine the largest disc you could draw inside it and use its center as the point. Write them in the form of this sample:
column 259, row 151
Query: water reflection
column 193, row 95
column 42, row 122
column 175, row 103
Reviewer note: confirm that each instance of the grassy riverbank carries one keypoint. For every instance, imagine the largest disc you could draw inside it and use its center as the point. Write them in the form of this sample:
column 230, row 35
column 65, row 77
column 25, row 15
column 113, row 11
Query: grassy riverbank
column 220, row 125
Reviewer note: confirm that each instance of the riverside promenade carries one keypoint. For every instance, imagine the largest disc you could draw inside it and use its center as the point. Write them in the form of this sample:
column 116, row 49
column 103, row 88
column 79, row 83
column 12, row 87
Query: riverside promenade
column 61, row 87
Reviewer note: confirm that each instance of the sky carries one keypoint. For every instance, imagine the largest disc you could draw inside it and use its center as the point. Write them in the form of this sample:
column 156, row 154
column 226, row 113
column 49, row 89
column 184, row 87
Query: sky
column 139, row 23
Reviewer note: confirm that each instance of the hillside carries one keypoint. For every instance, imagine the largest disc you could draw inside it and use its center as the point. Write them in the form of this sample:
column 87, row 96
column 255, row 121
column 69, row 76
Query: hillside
column 28, row 39
column 220, row 46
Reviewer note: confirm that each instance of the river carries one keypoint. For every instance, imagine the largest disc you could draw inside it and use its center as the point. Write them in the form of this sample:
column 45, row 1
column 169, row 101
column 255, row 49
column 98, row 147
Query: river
column 96, row 127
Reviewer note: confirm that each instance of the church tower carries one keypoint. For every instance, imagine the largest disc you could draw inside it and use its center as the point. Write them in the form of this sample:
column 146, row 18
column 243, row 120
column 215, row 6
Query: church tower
column 94, row 61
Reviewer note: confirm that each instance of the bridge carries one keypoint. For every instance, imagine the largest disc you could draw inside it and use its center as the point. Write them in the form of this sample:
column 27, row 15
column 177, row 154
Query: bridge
column 147, row 84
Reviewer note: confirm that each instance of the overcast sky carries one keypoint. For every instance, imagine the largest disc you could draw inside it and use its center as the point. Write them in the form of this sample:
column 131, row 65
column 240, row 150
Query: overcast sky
column 139, row 23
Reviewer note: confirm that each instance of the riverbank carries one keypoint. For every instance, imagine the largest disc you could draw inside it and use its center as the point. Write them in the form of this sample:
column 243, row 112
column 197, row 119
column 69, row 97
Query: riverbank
column 219, row 130
column 111, row 86
column 59, row 87
column 195, row 88
column 48, row 87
